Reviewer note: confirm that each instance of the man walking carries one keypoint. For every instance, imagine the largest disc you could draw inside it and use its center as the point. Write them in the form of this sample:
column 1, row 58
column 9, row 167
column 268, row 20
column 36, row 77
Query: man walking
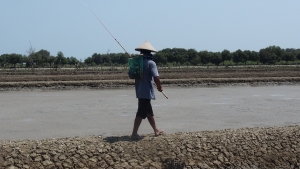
column 145, row 91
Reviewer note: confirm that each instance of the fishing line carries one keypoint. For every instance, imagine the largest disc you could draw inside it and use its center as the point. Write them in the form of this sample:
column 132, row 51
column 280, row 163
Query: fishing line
column 107, row 29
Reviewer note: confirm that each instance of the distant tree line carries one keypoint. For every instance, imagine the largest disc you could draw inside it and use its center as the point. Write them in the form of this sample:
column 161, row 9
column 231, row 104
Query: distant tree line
column 40, row 59
column 270, row 55
column 180, row 56
column 174, row 57
column 107, row 59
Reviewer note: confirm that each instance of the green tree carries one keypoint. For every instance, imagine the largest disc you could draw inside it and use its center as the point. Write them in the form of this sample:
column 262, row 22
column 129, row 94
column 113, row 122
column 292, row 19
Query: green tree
column 37, row 59
column 193, row 57
column 205, row 56
column 180, row 54
column 239, row 56
column 89, row 61
column 3, row 60
column 216, row 58
column 115, row 57
column 42, row 57
column 72, row 60
column 24, row 60
column 123, row 58
column 266, row 57
column 97, row 58
column 31, row 60
column 291, row 50
column 289, row 56
column 298, row 55
column 106, row 60
column 254, row 56
column 236, row 56
column 168, row 55
column 51, row 60
column 277, row 51
column 160, row 58
column 15, row 59
column 60, row 59
column 226, row 55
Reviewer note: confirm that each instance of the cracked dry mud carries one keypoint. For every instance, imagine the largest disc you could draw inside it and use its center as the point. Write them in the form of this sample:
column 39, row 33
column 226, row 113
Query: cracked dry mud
column 273, row 147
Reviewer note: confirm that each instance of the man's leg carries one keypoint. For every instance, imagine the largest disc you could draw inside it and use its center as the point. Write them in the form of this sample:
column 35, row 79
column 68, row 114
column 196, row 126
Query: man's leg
column 153, row 125
column 137, row 123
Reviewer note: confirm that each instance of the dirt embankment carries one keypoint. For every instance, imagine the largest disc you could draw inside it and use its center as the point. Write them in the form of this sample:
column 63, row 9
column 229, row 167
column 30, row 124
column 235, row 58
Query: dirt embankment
column 118, row 78
column 274, row 147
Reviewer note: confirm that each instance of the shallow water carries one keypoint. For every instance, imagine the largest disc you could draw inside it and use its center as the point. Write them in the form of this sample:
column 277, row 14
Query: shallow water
column 69, row 113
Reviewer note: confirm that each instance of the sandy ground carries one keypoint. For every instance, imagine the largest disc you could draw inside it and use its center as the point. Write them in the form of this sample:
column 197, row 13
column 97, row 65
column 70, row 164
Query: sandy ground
column 68, row 113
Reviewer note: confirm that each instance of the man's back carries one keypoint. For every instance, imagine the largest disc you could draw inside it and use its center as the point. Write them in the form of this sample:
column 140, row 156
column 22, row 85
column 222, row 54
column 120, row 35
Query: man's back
column 144, row 86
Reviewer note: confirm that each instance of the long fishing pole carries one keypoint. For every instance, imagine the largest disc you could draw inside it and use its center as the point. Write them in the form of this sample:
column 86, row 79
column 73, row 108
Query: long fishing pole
column 115, row 39
column 107, row 29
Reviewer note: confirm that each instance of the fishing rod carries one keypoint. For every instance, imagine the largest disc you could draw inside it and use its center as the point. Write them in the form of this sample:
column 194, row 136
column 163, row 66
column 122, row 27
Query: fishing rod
column 107, row 29
column 116, row 39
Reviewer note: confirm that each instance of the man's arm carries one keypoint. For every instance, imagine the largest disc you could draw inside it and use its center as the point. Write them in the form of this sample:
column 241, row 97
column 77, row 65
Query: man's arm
column 157, row 82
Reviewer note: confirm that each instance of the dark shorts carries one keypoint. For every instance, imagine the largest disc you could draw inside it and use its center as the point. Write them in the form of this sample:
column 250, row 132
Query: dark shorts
column 144, row 109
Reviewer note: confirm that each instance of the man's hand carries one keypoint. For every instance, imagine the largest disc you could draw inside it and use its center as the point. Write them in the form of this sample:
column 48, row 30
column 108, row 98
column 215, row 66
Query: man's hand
column 159, row 89
column 157, row 84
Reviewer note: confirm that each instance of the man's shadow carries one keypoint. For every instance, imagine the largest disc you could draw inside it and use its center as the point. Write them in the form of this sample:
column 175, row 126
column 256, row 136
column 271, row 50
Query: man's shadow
column 114, row 139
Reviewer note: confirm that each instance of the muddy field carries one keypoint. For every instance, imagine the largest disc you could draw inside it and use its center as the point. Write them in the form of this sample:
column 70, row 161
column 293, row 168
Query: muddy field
column 258, row 147
column 117, row 78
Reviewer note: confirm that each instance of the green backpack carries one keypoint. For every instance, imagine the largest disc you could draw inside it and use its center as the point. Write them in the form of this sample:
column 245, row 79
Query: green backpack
column 135, row 67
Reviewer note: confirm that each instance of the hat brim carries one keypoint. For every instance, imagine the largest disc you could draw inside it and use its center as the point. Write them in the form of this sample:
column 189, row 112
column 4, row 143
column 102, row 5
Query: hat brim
column 139, row 49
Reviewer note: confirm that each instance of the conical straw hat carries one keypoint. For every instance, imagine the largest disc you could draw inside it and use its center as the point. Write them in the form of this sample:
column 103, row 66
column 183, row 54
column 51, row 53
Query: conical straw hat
column 146, row 46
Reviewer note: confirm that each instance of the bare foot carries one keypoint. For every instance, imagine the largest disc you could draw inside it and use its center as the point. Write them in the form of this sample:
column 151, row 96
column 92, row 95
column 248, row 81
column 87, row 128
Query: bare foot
column 136, row 137
column 158, row 132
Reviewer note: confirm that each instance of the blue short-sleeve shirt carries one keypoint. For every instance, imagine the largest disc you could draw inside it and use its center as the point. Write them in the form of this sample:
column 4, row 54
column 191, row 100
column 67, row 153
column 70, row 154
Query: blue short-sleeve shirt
column 144, row 87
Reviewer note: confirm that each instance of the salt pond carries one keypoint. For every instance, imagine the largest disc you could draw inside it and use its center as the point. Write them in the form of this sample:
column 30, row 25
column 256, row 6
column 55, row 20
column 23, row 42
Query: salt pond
column 69, row 113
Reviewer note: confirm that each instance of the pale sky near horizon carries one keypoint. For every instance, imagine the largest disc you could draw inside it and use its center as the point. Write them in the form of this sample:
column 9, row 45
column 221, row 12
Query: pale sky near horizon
column 70, row 27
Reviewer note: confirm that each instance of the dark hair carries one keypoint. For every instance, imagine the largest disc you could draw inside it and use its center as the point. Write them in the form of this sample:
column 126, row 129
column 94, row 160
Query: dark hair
column 143, row 51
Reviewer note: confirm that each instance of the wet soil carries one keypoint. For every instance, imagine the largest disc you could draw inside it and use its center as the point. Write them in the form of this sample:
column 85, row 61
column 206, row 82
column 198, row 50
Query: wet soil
column 118, row 78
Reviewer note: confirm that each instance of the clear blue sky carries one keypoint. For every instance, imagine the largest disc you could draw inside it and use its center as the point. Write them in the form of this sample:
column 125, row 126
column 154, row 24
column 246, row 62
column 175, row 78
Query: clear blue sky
column 70, row 27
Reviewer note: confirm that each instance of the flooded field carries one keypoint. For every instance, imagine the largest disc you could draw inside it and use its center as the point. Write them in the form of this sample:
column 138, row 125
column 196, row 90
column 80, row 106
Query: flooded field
column 68, row 113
